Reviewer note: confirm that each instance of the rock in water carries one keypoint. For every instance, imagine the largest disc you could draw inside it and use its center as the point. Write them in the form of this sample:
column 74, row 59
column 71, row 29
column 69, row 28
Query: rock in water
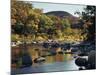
column 26, row 60
column 81, row 62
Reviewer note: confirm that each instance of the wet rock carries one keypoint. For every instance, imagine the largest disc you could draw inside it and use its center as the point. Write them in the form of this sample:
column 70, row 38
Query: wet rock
column 81, row 62
column 26, row 61
column 39, row 60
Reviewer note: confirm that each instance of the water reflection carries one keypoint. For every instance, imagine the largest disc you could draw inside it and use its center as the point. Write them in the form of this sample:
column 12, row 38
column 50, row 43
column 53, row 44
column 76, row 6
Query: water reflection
column 53, row 63
column 35, row 52
column 59, row 58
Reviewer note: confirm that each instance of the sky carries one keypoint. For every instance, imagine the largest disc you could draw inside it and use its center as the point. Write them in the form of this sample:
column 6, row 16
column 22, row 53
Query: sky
column 58, row 7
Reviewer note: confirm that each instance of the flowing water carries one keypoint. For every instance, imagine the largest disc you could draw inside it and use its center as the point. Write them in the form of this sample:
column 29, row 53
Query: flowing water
column 58, row 62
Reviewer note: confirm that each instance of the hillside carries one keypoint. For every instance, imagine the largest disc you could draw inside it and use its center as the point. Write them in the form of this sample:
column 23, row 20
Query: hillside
column 64, row 14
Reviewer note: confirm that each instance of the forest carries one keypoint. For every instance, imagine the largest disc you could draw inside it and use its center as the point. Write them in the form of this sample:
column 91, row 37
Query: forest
column 31, row 23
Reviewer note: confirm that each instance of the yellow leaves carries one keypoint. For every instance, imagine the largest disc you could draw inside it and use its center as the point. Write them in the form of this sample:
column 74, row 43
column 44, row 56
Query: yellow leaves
column 39, row 11
column 14, row 37
column 19, row 10
column 31, row 11
column 35, row 12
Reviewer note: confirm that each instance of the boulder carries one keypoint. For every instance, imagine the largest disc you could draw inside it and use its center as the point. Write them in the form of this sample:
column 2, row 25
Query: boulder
column 81, row 62
column 26, row 60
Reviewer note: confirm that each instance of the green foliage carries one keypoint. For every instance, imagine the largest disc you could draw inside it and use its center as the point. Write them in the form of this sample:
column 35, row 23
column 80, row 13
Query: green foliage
column 20, row 10
column 14, row 37
column 66, row 23
column 89, row 15
column 89, row 18
column 27, row 20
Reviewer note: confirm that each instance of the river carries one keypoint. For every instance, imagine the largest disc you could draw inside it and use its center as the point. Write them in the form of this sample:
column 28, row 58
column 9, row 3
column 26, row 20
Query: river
column 58, row 62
